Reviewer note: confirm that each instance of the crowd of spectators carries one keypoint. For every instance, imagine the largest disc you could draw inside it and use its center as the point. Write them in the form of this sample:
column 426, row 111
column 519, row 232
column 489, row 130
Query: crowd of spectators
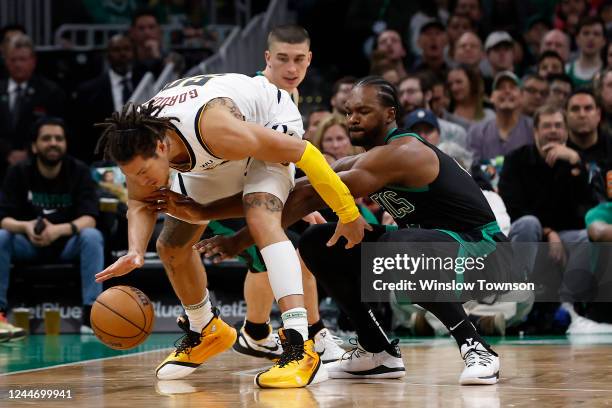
column 528, row 105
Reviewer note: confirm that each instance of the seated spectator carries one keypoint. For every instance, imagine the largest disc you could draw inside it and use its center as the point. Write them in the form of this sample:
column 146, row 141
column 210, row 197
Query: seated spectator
column 432, row 42
column 6, row 33
column 557, row 41
column 438, row 100
column 457, row 25
column 48, row 212
column 560, row 89
column 603, row 88
column 535, row 29
column 107, row 93
column 340, row 93
column 467, row 95
column 599, row 219
column 568, row 14
column 425, row 123
column 594, row 148
column 426, row 10
column 315, row 117
column 534, row 92
column 509, row 129
column 333, row 140
column 550, row 63
column 608, row 54
column 146, row 34
column 546, row 191
column 24, row 98
column 499, row 48
column 389, row 43
column 590, row 41
column 470, row 8
column 412, row 96
column 468, row 50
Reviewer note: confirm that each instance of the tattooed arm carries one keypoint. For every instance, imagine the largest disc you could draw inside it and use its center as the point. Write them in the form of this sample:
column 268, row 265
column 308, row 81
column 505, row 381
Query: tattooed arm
column 227, row 104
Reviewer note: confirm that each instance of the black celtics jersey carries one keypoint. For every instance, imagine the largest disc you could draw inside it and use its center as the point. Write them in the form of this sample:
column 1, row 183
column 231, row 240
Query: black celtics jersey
column 453, row 201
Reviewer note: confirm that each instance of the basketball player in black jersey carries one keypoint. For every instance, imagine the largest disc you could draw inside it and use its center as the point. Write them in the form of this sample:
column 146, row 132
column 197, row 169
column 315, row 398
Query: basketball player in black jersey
column 431, row 198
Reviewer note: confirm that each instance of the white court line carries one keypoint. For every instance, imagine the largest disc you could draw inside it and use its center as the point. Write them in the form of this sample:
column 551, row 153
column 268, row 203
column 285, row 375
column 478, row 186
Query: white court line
column 31, row 370
column 501, row 386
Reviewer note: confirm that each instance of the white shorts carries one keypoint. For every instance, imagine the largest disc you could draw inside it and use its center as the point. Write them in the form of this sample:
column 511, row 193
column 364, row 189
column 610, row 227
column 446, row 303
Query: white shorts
column 246, row 176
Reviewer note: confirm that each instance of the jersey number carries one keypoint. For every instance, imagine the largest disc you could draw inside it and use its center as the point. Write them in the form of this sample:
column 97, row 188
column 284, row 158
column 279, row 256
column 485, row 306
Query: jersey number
column 198, row 80
column 397, row 206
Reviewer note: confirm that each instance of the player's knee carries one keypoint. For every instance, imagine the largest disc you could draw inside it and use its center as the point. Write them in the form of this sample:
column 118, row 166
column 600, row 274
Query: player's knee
column 91, row 236
column 167, row 250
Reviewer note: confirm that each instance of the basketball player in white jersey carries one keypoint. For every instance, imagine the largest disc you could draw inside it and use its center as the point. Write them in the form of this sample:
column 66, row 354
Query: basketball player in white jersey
column 226, row 135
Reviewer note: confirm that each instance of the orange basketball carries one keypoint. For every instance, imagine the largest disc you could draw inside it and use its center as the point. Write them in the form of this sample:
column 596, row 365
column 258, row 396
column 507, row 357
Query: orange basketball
column 122, row 317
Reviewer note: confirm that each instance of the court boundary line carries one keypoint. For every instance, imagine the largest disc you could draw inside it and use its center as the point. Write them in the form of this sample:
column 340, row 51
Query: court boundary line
column 31, row 370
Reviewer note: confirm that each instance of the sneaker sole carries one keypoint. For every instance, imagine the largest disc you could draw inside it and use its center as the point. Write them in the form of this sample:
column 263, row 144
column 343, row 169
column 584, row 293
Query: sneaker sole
column 321, row 374
column 217, row 349
column 386, row 372
column 494, row 379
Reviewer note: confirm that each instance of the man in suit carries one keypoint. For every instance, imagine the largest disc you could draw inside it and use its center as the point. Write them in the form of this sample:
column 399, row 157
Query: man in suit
column 107, row 93
column 24, row 98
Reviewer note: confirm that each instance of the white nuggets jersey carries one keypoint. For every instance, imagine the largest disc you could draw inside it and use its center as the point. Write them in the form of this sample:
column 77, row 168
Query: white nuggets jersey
column 258, row 100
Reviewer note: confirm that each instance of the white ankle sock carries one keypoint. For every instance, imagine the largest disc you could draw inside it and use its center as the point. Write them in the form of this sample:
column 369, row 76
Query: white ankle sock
column 296, row 319
column 199, row 314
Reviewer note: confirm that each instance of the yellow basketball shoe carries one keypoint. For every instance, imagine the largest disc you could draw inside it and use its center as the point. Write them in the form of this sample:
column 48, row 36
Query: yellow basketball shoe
column 195, row 348
column 298, row 366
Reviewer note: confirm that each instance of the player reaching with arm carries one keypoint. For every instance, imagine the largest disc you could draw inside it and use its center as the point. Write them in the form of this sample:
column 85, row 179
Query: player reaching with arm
column 212, row 130
column 431, row 199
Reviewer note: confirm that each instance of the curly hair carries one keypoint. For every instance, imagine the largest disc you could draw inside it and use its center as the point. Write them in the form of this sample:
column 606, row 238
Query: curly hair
column 133, row 132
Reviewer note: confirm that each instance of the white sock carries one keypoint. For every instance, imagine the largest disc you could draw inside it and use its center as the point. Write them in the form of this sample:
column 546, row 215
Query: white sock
column 296, row 319
column 199, row 314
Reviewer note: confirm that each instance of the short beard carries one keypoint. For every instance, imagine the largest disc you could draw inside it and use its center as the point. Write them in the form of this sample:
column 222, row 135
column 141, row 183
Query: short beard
column 369, row 138
column 50, row 162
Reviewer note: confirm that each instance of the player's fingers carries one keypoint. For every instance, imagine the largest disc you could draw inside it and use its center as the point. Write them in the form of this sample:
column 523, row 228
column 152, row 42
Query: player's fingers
column 368, row 227
column 332, row 241
column 319, row 219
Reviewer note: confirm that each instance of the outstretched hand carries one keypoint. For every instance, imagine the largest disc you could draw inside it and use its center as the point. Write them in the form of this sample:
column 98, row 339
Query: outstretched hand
column 218, row 248
column 352, row 231
column 122, row 266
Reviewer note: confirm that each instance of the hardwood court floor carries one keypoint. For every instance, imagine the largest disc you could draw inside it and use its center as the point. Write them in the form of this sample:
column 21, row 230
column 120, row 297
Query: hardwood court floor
column 535, row 373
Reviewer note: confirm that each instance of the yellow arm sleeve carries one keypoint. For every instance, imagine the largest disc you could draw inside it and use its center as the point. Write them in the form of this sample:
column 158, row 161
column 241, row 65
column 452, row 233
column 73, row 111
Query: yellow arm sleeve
column 327, row 183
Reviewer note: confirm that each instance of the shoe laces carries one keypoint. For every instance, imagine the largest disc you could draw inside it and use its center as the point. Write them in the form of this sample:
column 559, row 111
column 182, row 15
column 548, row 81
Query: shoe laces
column 356, row 351
column 187, row 342
column 480, row 357
column 291, row 353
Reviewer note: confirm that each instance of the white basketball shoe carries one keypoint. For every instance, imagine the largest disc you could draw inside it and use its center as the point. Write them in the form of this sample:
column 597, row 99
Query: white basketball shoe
column 269, row 348
column 481, row 365
column 359, row 363
column 328, row 346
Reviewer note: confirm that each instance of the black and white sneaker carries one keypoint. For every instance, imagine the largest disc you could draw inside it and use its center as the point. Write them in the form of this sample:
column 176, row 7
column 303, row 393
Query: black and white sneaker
column 269, row 348
column 359, row 363
column 481, row 365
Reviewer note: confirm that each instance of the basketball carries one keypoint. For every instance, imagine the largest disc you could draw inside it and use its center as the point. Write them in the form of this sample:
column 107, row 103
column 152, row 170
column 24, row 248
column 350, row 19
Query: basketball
column 122, row 317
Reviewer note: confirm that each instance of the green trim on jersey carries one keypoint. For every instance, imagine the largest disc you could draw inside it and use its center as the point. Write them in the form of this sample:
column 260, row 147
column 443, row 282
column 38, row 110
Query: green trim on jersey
column 257, row 263
column 389, row 138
